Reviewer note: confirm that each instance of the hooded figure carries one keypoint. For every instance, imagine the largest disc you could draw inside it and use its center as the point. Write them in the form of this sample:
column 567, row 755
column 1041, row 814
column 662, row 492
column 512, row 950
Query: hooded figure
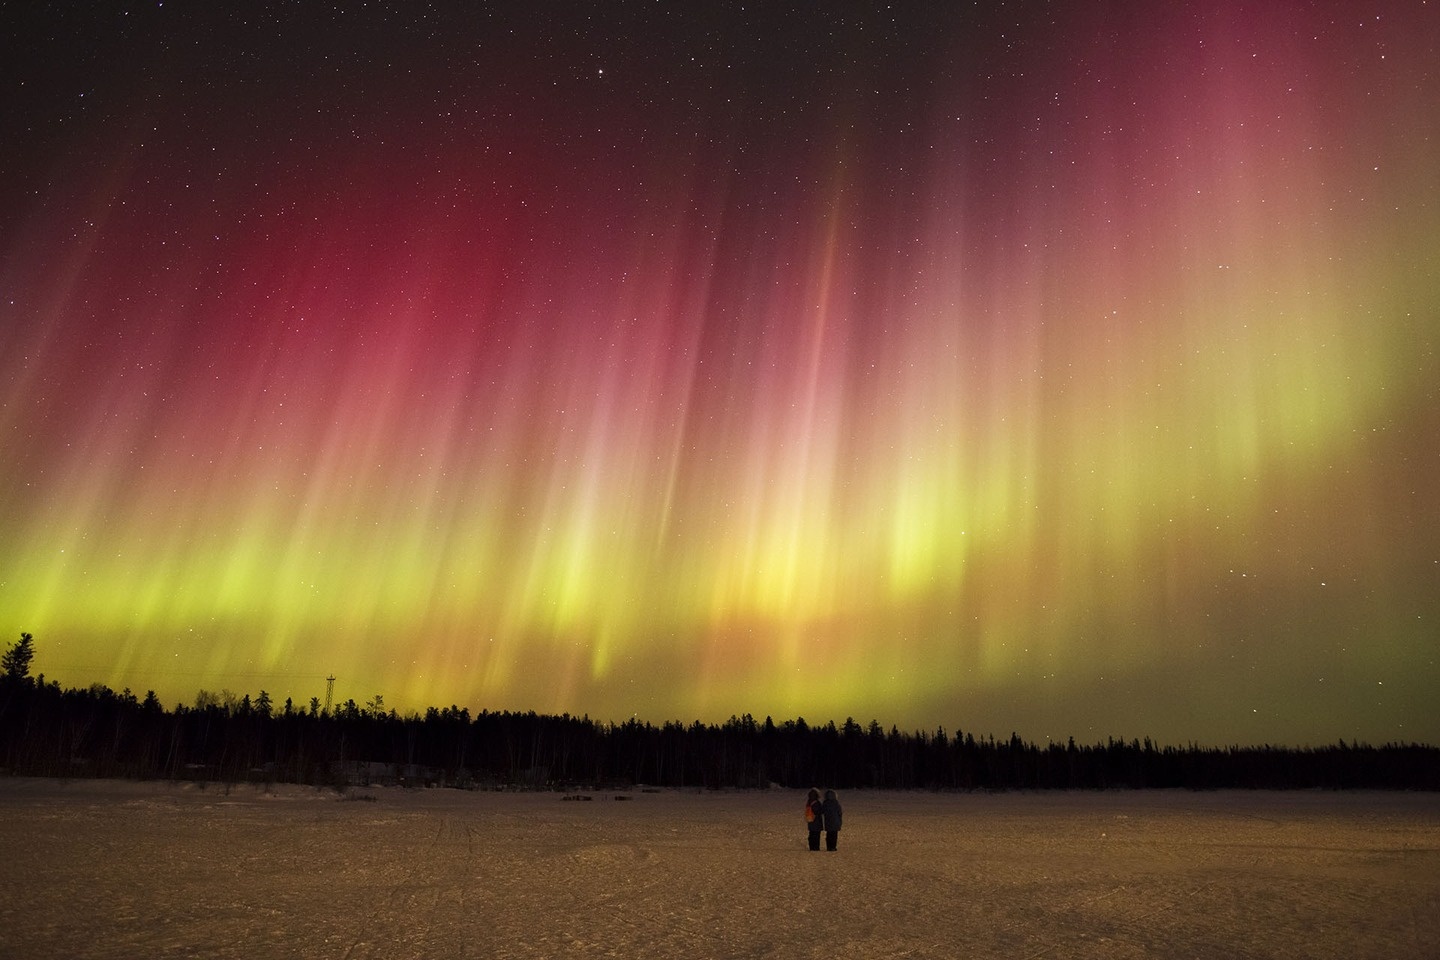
column 814, row 817
column 830, row 809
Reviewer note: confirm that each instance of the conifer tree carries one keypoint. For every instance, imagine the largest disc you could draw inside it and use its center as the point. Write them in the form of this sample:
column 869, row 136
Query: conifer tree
column 15, row 664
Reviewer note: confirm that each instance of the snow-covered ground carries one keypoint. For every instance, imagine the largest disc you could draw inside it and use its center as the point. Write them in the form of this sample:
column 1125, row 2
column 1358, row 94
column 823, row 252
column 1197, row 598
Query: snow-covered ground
column 128, row 870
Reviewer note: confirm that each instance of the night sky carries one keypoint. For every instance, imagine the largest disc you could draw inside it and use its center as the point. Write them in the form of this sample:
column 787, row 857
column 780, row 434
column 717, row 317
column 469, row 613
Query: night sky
column 1067, row 369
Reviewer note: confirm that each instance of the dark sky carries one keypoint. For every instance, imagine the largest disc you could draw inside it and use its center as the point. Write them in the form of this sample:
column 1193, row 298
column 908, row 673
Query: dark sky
column 1065, row 369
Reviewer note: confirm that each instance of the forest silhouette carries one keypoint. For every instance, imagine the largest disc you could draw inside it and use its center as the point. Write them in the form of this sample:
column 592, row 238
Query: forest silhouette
column 97, row 732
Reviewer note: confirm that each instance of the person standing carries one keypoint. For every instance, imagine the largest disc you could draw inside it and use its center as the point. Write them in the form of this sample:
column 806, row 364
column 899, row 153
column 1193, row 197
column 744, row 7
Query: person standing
column 830, row 811
column 814, row 817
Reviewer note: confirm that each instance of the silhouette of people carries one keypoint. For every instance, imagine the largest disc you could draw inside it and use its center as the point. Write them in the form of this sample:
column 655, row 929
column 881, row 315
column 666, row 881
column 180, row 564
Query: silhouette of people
column 830, row 810
column 814, row 817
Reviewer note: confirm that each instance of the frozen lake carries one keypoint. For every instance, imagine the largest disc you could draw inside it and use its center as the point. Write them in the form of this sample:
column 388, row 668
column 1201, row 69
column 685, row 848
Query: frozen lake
column 115, row 869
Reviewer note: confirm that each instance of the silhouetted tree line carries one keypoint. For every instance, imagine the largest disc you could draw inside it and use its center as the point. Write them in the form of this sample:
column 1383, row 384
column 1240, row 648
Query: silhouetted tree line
column 96, row 732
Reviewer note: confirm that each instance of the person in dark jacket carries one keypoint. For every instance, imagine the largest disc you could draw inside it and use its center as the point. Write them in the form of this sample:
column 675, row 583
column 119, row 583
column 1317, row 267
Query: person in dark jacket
column 814, row 817
column 830, row 809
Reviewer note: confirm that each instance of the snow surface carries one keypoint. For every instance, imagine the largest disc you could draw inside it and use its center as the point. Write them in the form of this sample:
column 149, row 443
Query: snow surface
column 116, row 869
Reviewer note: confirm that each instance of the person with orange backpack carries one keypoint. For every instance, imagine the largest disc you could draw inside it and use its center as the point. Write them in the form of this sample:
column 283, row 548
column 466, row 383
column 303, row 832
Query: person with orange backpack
column 814, row 817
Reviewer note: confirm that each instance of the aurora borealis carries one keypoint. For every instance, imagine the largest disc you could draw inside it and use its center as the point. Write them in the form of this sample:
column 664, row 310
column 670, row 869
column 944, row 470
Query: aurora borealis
column 1066, row 369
